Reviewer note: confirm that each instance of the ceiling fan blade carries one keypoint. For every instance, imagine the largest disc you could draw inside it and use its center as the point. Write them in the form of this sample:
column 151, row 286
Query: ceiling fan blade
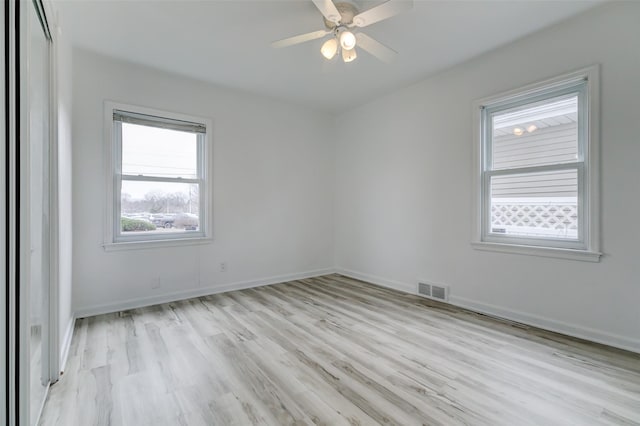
column 328, row 10
column 377, row 49
column 300, row 38
column 379, row 13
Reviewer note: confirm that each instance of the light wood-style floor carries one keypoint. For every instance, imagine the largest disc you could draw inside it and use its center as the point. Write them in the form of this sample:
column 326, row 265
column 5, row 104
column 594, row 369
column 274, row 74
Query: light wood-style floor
column 333, row 350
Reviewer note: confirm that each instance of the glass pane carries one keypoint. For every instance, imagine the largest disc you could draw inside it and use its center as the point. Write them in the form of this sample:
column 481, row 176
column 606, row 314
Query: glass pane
column 538, row 134
column 543, row 204
column 159, row 207
column 151, row 151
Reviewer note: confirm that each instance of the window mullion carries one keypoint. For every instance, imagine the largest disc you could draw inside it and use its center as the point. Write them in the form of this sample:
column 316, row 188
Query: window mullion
column 534, row 169
column 142, row 178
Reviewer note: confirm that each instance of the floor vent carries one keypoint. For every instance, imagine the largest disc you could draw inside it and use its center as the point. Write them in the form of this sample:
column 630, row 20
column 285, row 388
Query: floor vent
column 433, row 291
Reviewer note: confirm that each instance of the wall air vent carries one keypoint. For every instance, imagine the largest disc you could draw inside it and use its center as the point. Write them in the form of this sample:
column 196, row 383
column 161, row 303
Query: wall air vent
column 433, row 291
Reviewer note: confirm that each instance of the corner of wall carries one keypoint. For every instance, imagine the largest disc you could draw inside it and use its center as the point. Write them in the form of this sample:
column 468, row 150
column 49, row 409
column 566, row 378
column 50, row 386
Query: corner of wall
column 66, row 343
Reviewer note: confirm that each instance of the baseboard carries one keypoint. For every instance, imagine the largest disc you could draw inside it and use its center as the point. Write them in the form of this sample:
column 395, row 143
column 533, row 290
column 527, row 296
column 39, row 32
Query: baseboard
column 580, row 332
column 90, row 311
column 586, row 333
column 384, row 282
column 593, row 335
column 66, row 343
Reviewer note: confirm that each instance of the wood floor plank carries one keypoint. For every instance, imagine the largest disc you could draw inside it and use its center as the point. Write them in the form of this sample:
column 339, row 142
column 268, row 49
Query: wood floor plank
column 333, row 350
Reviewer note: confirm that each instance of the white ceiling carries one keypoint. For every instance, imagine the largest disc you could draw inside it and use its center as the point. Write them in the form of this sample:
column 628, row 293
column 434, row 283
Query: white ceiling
column 227, row 42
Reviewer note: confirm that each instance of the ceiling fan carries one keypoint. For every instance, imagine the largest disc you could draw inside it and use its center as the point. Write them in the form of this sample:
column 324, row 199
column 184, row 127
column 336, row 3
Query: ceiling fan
column 341, row 20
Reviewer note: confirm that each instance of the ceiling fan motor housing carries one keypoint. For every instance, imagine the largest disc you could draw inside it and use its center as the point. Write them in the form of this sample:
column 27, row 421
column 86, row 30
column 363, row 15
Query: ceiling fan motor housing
column 347, row 12
column 342, row 20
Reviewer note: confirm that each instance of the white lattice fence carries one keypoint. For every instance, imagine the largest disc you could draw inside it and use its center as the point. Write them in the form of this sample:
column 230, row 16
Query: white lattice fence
column 535, row 217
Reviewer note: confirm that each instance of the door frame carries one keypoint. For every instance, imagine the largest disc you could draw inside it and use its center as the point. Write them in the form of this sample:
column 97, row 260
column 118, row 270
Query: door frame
column 12, row 78
column 4, row 217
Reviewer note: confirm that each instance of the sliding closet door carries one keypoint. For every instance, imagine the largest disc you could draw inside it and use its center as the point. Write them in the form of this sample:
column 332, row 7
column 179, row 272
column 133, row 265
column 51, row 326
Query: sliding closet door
column 35, row 283
column 4, row 237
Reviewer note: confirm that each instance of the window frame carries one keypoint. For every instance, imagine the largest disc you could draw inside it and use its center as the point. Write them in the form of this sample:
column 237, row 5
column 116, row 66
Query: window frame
column 586, row 247
column 114, row 239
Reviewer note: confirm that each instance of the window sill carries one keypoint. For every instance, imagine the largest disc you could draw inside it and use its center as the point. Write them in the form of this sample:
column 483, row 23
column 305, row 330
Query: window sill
column 152, row 244
column 558, row 253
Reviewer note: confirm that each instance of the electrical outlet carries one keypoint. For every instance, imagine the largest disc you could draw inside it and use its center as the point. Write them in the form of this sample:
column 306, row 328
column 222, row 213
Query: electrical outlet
column 155, row 283
column 223, row 266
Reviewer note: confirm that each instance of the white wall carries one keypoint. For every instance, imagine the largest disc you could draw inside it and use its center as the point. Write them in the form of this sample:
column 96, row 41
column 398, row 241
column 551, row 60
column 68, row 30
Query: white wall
column 390, row 203
column 403, row 185
column 273, row 190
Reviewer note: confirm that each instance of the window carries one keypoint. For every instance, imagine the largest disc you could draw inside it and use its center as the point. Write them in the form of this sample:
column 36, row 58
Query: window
column 537, row 174
column 159, row 173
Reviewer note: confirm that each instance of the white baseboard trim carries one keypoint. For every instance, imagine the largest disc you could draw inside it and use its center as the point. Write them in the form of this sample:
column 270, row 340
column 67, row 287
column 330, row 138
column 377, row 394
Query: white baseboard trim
column 384, row 282
column 123, row 305
column 66, row 343
column 580, row 332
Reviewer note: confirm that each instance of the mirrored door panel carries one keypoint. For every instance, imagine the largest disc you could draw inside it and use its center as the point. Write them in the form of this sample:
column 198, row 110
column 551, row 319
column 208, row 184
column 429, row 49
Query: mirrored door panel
column 38, row 98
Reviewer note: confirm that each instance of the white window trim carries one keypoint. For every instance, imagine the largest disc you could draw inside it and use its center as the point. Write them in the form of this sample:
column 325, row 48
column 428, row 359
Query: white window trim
column 591, row 199
column 111, row 162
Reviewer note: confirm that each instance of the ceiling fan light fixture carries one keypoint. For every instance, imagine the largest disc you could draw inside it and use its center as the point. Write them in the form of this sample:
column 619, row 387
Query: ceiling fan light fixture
column 342, row 16
column 329, row 48
column 347, row 40
column 349, row 55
